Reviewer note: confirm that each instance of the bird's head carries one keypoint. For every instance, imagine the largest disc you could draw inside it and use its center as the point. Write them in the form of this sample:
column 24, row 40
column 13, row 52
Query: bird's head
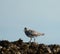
column 25, row 29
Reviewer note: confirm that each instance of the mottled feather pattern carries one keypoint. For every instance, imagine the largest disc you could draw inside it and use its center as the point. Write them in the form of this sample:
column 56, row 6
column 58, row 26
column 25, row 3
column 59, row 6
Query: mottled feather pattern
column 32, row 33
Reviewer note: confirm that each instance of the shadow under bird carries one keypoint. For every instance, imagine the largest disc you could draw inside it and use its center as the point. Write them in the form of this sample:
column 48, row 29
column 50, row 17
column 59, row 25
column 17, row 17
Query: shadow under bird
column 32, row 33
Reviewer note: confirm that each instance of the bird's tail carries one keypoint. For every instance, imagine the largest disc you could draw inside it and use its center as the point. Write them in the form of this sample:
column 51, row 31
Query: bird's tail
column 40, row 34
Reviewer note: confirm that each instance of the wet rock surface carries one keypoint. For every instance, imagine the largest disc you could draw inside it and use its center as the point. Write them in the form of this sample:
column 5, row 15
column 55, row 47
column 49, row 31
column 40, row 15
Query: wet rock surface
column 20, row 47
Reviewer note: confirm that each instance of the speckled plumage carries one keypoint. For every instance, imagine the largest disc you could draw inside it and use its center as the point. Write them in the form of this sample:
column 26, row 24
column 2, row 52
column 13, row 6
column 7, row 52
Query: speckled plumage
column 31, row 33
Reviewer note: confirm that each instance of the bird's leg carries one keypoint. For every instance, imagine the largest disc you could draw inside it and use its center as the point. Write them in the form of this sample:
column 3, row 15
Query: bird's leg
column 30, row 39
column 34, row 39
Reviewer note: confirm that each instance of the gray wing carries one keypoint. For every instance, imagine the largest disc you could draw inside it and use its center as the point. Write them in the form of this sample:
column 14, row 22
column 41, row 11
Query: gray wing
column 35, row 33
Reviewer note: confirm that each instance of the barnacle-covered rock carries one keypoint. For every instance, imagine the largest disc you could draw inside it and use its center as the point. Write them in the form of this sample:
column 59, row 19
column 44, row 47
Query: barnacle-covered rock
column 20, row 47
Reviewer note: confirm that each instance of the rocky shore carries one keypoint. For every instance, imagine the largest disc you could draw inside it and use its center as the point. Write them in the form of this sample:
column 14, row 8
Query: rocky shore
column 20, row 47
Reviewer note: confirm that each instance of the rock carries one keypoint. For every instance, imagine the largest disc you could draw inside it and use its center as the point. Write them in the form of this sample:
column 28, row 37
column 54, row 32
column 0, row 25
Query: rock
column 20, row 47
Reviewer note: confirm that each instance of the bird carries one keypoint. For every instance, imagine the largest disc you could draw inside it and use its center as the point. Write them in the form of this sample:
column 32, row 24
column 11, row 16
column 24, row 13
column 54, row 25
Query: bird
column 32, row 33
